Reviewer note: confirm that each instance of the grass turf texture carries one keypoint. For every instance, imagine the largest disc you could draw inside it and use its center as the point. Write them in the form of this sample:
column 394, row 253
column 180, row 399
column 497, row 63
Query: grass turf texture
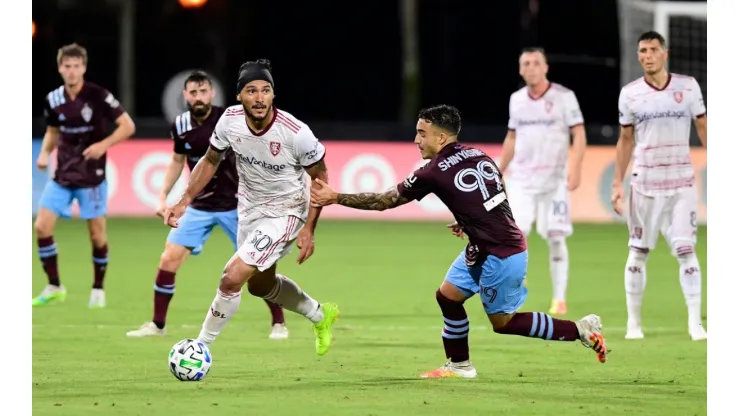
column 383, row 275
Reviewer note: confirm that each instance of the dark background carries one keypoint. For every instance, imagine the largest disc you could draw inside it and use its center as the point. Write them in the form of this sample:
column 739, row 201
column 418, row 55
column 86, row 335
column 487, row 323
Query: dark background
column 338, row 64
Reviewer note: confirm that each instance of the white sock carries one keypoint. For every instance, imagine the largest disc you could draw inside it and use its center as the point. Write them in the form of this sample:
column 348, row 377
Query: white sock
column 635, row 279
column 690, row 275
column 558, row 267
column 222, row 309
column 290, row 296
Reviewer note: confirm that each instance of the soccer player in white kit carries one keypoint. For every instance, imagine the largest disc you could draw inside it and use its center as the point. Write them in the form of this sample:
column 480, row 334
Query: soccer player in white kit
column 655, row 113
column 542, row 118
column 274, row 151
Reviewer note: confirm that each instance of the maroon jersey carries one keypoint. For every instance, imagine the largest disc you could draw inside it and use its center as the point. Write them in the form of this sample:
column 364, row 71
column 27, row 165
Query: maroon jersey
column 469, row 183
column 81, row 122
column 192, row 140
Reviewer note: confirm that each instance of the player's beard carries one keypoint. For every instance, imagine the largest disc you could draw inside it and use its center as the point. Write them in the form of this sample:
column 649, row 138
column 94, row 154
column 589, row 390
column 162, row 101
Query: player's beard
column 253, row 117
column 199, row 111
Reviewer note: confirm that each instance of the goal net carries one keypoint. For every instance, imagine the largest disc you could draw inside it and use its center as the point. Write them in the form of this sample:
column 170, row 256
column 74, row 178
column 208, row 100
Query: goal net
column 682, row 23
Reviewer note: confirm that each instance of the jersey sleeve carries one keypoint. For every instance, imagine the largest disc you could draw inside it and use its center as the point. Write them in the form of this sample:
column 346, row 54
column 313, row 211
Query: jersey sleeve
column 626, row 118
column 179, row 144
column 49, row 116
column 219, row 139
column 110, row 105
column 417, row 185
column 573, row 115
column 308, row 149
column 512, row 121
column 698, row 108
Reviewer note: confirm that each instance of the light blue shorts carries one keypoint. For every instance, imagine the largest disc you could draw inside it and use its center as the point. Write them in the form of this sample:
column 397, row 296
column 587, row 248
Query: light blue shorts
column 58, row 199
column 196, row 226
column 500, row 282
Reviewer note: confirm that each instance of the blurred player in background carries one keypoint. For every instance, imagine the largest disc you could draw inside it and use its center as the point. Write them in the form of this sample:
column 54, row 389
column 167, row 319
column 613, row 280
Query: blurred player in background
column 274, row 151
column 542, row 118
column 215, row 205
column 77, row 116
column 655, row 112
column 494, row 263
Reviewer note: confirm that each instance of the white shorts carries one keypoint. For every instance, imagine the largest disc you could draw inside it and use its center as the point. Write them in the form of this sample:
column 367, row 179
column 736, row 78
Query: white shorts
column 551, row 210
column 674, row 216
column 263, row 241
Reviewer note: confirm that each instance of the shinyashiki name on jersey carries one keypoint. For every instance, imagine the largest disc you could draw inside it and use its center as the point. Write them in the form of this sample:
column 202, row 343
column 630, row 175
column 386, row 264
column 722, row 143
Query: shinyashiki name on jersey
column 459, row 157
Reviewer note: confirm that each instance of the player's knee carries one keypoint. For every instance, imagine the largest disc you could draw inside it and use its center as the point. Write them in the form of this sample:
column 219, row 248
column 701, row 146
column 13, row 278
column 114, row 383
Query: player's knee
column 172, row 257
column 686, row 255
column 97, row 232
column 43, row 228
column 557, row 246
column 235, row 274
column 499, row 322
column 637, row 256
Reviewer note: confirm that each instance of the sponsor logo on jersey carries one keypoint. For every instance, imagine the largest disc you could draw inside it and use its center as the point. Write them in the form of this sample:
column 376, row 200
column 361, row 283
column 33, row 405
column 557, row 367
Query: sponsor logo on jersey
column 660, row 114
column 251, row 160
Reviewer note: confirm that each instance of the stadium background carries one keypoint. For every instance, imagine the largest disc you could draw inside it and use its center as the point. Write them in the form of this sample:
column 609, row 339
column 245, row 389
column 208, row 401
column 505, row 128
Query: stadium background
column 357, row 72
column 357, row 86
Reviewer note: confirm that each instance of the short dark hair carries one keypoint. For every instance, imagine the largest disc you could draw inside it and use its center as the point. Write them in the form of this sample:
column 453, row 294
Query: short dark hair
column 197, row 77
column 533, row 49
column 652, row 35
column 443, row 116
column 261, row 62
column 73, row 50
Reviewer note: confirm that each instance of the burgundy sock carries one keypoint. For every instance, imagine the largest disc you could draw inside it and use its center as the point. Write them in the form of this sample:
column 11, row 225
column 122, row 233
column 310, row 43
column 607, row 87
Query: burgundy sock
column 540, row 325
column 164, row 289
column 48, row 255
column 456, row 327
column 100, row 263
column 277, row 313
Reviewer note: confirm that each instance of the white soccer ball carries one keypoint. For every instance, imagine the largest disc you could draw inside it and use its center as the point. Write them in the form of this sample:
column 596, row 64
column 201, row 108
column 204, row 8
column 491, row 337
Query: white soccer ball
column 190, row 360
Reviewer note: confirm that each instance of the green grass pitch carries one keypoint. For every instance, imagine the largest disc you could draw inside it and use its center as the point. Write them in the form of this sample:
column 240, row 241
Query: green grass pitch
column 383, row 275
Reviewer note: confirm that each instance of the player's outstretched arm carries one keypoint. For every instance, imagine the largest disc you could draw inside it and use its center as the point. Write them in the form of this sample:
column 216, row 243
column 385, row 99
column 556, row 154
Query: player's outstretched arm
column 322, row 195
column 373, row 201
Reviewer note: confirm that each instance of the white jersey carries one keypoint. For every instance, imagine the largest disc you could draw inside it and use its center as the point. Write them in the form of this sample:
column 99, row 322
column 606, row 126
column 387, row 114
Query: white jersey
column 271, row 164
column 542, row 129
column 662, row 123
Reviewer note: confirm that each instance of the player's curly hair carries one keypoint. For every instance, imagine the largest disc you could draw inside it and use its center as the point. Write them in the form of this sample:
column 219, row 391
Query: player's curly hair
column 443, row 116
column 265, row 63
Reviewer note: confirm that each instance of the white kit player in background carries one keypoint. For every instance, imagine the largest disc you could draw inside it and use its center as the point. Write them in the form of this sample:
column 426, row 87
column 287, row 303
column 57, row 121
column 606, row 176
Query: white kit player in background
column 655, row 113
column 274, row 151
column 542, row 118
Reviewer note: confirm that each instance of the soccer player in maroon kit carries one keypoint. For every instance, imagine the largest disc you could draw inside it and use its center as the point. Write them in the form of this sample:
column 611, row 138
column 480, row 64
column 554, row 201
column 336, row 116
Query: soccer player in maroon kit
column 494, row 263
column 215, row 205
column 77, row 116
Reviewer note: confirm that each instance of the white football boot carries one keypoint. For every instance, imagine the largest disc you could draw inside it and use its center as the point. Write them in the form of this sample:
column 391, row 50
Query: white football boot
column 279, row 331
column 97, row 299
column 697, row 332
column 463, row 369
column 146, row 330
column 589, row 331
column 634, row 330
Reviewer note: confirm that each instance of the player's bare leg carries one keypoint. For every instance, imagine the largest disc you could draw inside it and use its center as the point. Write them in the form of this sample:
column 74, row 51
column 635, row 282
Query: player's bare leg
column 44, row 226
column 635, row 279
column 172, row 258
column 99, row 240
column 559, row 272
column 690, row 276
column 454, row 335
column 539, row 325
column 266, row 285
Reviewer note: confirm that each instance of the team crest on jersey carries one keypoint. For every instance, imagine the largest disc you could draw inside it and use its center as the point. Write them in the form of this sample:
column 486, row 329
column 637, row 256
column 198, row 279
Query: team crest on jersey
column 86, row 113
column 274, row 148
column 548, row 106
column 678, row 96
